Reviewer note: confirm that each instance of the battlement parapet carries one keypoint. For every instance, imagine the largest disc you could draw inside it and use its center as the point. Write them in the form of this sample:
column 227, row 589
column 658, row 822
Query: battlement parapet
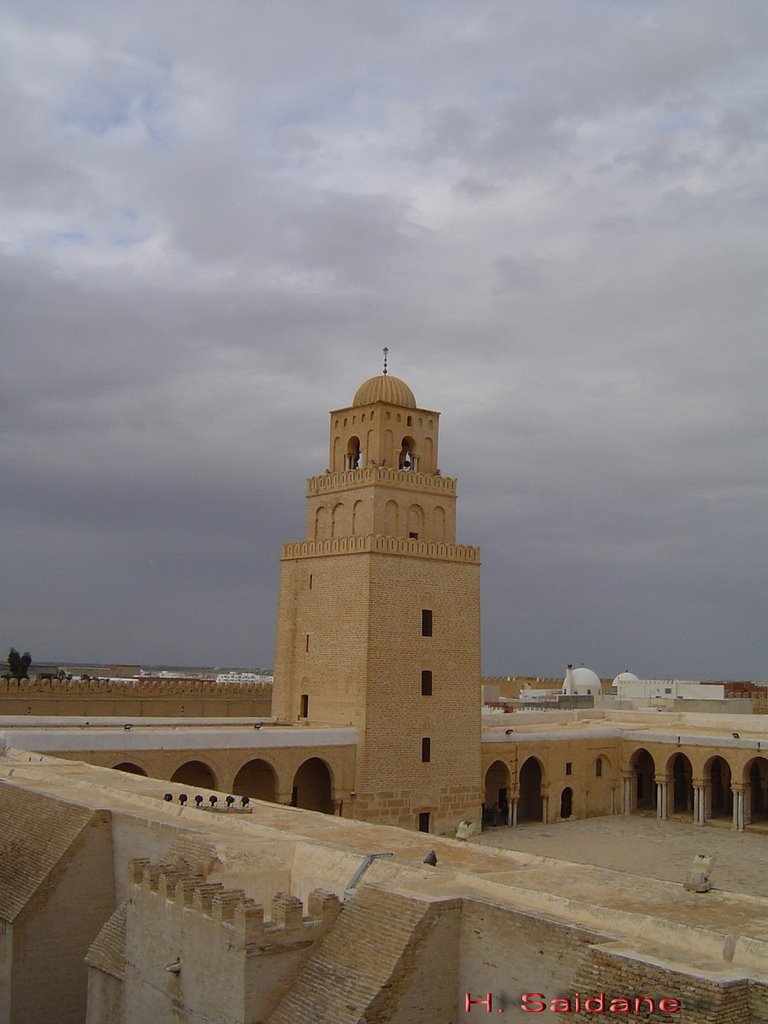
column 380, row 474
column 146, row 686
column 234, row 918
column 381, row 544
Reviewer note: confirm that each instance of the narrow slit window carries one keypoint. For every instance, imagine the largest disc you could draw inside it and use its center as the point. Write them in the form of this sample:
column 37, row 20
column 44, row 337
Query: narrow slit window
column 305, row 705
column 598, row 767
column 426, row 749
column 568, row 767
column 426, row 682
column 306, row 643
column 426, row 622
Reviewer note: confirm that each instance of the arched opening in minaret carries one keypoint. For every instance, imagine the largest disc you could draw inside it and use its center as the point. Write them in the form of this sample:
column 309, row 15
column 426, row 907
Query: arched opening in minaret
column 415, row 522
column 353, row 453
column 312, row 787
column 390, row 519
column 438, row 523
column 429, row 457
column 531, row 805
column 496, row 805
column 322, row 524
column 357, row 518
column 256, row 779
column 408, row 458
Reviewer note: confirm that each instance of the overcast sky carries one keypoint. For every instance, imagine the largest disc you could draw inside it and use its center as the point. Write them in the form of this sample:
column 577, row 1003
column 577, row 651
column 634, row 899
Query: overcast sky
column 214, row 215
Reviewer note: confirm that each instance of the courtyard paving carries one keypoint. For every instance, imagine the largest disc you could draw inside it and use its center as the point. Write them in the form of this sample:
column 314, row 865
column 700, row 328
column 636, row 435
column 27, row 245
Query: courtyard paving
column 645, row 846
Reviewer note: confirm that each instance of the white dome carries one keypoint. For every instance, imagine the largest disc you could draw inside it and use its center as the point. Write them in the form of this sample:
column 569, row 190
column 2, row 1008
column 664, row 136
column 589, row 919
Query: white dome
column 626, row 677
column 585, row 681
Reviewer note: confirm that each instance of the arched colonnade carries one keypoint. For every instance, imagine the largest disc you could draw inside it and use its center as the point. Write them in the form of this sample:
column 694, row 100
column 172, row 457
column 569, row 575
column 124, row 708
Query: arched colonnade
column 309, row 784
column 665, row 784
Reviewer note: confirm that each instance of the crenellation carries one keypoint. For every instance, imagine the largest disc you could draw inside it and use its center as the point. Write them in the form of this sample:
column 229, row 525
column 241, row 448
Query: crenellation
column 202, row 897
column 323, row 906
column 249, row 921
column 242, row 918
column 147, row 686
column 349, row 479
column 137, row 868
column 379, row 543
column 225, row 904
column 287, row 910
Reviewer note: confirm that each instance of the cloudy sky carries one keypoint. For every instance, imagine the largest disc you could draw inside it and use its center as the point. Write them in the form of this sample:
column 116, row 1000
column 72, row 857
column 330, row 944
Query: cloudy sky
column 553, row 212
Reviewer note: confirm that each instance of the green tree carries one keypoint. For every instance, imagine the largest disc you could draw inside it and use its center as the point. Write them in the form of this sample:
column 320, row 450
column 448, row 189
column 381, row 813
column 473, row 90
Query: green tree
column 19, row 663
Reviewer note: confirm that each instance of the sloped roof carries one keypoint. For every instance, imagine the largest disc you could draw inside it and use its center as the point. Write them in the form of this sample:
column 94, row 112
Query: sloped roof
column 107, row 951
column 36, row 831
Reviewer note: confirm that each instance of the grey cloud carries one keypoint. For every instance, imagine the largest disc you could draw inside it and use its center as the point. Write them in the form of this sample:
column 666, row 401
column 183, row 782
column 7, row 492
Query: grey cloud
column 553, row 223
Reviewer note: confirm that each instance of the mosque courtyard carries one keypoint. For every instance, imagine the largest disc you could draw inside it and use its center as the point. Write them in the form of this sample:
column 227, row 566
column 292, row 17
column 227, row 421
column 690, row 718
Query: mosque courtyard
column 643, row 845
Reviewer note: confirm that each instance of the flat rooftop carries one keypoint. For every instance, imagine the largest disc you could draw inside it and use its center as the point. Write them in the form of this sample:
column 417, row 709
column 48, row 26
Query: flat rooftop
column 605, row 884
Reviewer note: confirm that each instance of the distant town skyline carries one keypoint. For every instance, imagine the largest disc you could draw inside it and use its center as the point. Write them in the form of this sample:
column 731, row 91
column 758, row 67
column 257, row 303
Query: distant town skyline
column 212, row 221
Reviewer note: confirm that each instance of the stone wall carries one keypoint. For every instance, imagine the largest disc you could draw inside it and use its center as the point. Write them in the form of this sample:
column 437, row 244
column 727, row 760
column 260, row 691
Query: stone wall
column 142, row 698
column 203, row 951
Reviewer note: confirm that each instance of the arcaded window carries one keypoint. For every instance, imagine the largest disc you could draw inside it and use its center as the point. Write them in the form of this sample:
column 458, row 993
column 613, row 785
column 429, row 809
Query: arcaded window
column 426, row 749
column 426, row 622
column 407, row 457
column 426, row 682
column 353, row 453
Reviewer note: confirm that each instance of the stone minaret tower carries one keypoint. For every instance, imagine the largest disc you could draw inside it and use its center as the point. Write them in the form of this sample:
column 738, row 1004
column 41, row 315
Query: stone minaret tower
column 379, row 616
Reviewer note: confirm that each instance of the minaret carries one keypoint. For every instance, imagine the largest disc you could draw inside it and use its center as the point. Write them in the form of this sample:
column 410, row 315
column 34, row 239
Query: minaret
column 379, row 615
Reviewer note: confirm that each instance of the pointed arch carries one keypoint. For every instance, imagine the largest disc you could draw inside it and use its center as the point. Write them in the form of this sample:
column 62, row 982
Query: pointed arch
column 353, row 453
column 322, row 524
column 531, row 804
column 257, row 779
column 391, row 519
column 717, row 775
column 415, row 526
column 195, row 773
column 130, row 767
column 497, row 788
column 357, row 518
column 312, row 786
column 407, row 457
column 642, row 765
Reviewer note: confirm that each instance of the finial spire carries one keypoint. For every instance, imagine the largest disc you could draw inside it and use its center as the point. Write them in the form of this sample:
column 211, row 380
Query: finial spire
column 386, row 351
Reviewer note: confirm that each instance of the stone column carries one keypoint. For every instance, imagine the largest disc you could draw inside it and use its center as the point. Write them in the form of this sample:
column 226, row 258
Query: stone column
column 699, row 801
column 629, row 778
column 545, row 807
column 738, row 806
column 662, row 797
column 513, row 810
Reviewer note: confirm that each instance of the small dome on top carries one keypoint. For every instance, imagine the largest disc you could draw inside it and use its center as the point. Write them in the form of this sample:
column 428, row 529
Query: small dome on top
column 626, row 677
column 585, row 681
column 384, row 388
